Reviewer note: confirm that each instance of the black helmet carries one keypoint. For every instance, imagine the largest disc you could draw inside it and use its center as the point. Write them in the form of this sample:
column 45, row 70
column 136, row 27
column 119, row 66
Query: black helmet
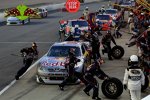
column 34, row 44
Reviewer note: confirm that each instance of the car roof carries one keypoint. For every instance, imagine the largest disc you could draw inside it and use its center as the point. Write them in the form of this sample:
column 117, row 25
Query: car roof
column 104, row 14
column 111, row 9
column 77, row 20
column 67, row 43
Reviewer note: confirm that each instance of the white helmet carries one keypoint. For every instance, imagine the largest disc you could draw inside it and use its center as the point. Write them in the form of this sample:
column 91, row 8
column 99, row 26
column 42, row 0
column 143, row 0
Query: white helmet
column 97, row 20
column 134, row 58
column 76, row 26
column 131, row 13
column 142, row 13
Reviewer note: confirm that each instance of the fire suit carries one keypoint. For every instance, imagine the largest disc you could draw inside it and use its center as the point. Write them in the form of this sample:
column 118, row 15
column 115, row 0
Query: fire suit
column 28, row 54
column 106, row 41
column 70, row 64
column 93, row 70
column 134, row 78
column 95, row 47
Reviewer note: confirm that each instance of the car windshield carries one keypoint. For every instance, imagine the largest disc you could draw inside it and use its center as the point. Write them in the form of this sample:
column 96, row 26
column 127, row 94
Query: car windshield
column 103, row 17
column 80, row 23
column 110, row 11
column 62, row 51
column 127, row 3
column 40, row 10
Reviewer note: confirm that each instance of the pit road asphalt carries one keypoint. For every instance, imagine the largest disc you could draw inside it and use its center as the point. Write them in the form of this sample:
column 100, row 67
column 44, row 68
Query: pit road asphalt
column 45, row 32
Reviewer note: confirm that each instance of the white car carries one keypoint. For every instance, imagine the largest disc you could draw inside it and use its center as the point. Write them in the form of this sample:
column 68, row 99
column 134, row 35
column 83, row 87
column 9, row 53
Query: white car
column 83, row 25
column 43, row 12
column 15, row 21
column 40, row 13
column 51, row 70
column 112, row 12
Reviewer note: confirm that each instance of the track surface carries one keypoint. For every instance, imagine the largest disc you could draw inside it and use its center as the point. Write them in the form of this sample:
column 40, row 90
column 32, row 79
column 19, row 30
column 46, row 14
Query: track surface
column 13, row 3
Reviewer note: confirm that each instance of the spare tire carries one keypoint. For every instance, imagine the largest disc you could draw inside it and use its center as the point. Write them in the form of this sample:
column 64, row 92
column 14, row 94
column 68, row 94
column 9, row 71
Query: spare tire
column 117, row 52
column 146, row 83
column 112, row 88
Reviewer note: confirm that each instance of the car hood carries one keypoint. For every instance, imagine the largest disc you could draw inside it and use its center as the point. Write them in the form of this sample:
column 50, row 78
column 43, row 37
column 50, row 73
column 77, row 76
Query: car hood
column 104, row 21
column 49, row 62
column 12, row 18
column 81, row 28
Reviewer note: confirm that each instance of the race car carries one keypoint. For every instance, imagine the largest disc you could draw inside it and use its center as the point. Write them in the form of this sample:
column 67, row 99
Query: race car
column 70, row 26
column 51, row 70
column 127, row 5
column 105, row 21
column 40, row 13
column 114, row 13
column 15, row 21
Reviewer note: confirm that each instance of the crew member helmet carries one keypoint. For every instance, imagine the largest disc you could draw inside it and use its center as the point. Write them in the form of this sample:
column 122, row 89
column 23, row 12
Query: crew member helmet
column 34, row 44
column 134, row 58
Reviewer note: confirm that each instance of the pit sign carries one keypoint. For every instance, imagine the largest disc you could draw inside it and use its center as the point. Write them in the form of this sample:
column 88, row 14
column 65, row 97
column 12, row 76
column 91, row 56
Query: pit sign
column 72, row 6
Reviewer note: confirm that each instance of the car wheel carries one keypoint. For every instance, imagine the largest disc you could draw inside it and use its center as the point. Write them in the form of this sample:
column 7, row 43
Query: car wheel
column 81, row 1
column 23, row 22
column 46, row 15
column 42, row 15
column 117, row 52
column 146, row 83
column 39, row 79
column 29, row 20
column 112, row 88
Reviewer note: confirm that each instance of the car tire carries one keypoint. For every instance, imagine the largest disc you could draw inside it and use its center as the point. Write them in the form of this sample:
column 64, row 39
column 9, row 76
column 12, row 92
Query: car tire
column 112, row 88
column 117, row 52
column 29, row 20
column 39, row 80
column 81, row 1
column 23, row 22
column 146, row 84
column 42, row 16
column 46, row 15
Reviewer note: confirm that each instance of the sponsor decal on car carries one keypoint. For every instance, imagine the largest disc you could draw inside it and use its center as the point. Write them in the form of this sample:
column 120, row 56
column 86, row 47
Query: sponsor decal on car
column 53, row 64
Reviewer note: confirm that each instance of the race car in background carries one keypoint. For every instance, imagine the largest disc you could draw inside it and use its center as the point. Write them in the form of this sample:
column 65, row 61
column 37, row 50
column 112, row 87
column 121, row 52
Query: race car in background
column 114, row 13
column 51, row 70
column 14, row 17
column 40, row 13
column 15, row 21
column 15, row 12
column 70, row 25
column 105, row 21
